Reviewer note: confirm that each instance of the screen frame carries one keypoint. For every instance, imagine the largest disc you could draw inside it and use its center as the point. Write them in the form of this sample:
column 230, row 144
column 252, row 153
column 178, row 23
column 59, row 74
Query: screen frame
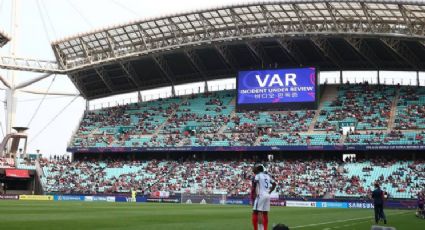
column 280, row 106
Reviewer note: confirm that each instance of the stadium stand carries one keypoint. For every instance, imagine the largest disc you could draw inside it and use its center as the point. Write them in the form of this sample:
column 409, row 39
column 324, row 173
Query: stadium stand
column 368, row 106
column 391, row 138
column 20, row 163
column 307, row 178
column 162, row 145
column 93, row 177
column 28, row 164
column 7, row 162
column 381, row 115
column 411, row 109
column 211, row 119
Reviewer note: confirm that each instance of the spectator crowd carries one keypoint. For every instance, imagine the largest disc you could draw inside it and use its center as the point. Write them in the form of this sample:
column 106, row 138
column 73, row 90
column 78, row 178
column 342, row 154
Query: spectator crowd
column 296, row 178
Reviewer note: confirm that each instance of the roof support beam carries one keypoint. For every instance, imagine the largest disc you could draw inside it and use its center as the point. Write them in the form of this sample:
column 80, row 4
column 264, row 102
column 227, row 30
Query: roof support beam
column 144, row 36
column 75, row 78
column 31, row 65
column 237, row 20
column 412, row 21
column 268, row 16
column 131, row 73
column 327, row 50
column 363, row 50
column 43, row 92
column 32, row 81
column 401, row 51
column 207, row 26
column 291, row 50
column 111, row 43
column 163, row 65
column 404, row 12
column 299, row 17
column 422, row 43
column 132, row 41
column 85, row 50
column 227, row 56
column 196, row 62
column 59, row 57
column 106, row 79
column 5, row 82
column 332, row 12
column 175, row 30
column 258, row 50
column 3, row 40
column 365, row 9
column 246, row 21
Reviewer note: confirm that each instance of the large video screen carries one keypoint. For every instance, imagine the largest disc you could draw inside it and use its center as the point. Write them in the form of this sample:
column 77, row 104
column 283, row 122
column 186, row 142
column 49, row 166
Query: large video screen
column 295, row 88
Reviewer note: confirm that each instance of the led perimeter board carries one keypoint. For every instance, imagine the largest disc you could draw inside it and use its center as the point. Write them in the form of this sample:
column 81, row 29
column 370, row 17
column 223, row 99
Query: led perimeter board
column 277, row 89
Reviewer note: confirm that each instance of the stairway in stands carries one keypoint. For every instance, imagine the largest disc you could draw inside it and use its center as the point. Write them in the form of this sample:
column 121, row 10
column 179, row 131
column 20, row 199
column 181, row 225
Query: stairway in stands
column 330, row 94
column 224, row 127
column 184, row 100
column 393, row 113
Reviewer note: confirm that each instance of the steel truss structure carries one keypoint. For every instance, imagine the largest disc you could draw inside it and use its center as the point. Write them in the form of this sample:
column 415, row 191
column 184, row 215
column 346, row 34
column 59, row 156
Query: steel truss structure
column 29, row 64
column 216, row 43
column 401, row 19
column 3, row 39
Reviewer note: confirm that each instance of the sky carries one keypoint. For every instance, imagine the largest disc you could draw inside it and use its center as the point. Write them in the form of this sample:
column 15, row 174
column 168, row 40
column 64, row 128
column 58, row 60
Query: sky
column 44, row 21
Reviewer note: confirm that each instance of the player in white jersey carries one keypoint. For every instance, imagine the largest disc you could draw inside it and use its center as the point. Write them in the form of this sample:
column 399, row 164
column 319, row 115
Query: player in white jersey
column 262, row 186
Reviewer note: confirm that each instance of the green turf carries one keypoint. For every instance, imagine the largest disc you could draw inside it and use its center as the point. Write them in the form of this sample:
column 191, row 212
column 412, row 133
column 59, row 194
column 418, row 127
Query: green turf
column 79, row 216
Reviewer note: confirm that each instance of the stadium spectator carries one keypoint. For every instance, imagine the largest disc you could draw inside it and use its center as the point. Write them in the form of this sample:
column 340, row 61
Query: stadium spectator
column 2, row 188
column 421, row 202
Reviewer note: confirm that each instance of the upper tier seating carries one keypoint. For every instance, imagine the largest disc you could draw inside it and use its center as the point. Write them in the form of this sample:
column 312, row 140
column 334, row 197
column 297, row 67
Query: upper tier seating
column 123, row 125
column 298, row 121
column 411, row 109
column 368, row 106
column 210, row 119
column 204, row 112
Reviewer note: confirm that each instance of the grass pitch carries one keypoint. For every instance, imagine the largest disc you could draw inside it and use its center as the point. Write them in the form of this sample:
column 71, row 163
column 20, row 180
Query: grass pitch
column 81, row 216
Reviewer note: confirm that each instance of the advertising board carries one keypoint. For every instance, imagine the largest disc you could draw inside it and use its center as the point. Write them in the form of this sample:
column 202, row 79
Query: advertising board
column 304, row 204
column 35, row 197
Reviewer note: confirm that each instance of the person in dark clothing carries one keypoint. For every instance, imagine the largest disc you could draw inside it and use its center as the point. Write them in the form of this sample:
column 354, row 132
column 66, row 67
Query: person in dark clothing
column 378, row 202
column 421, row 202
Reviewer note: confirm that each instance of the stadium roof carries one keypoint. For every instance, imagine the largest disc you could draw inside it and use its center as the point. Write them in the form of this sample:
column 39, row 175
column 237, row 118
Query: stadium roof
column 3, row 39
column 216, row 43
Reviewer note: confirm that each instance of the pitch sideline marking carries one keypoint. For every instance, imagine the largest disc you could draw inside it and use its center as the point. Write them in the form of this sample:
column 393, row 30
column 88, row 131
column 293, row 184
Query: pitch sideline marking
column 341, row 221
column 346, row 225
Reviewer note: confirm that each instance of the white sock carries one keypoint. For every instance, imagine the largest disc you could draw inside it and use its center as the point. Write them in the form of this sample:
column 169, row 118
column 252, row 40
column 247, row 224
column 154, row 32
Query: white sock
column 260, row 227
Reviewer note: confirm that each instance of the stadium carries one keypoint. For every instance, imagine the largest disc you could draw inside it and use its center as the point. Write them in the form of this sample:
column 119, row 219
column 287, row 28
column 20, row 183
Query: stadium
column 328, row 95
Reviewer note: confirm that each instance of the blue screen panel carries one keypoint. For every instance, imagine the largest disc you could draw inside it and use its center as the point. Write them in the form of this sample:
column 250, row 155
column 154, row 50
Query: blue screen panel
column 277, row 86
